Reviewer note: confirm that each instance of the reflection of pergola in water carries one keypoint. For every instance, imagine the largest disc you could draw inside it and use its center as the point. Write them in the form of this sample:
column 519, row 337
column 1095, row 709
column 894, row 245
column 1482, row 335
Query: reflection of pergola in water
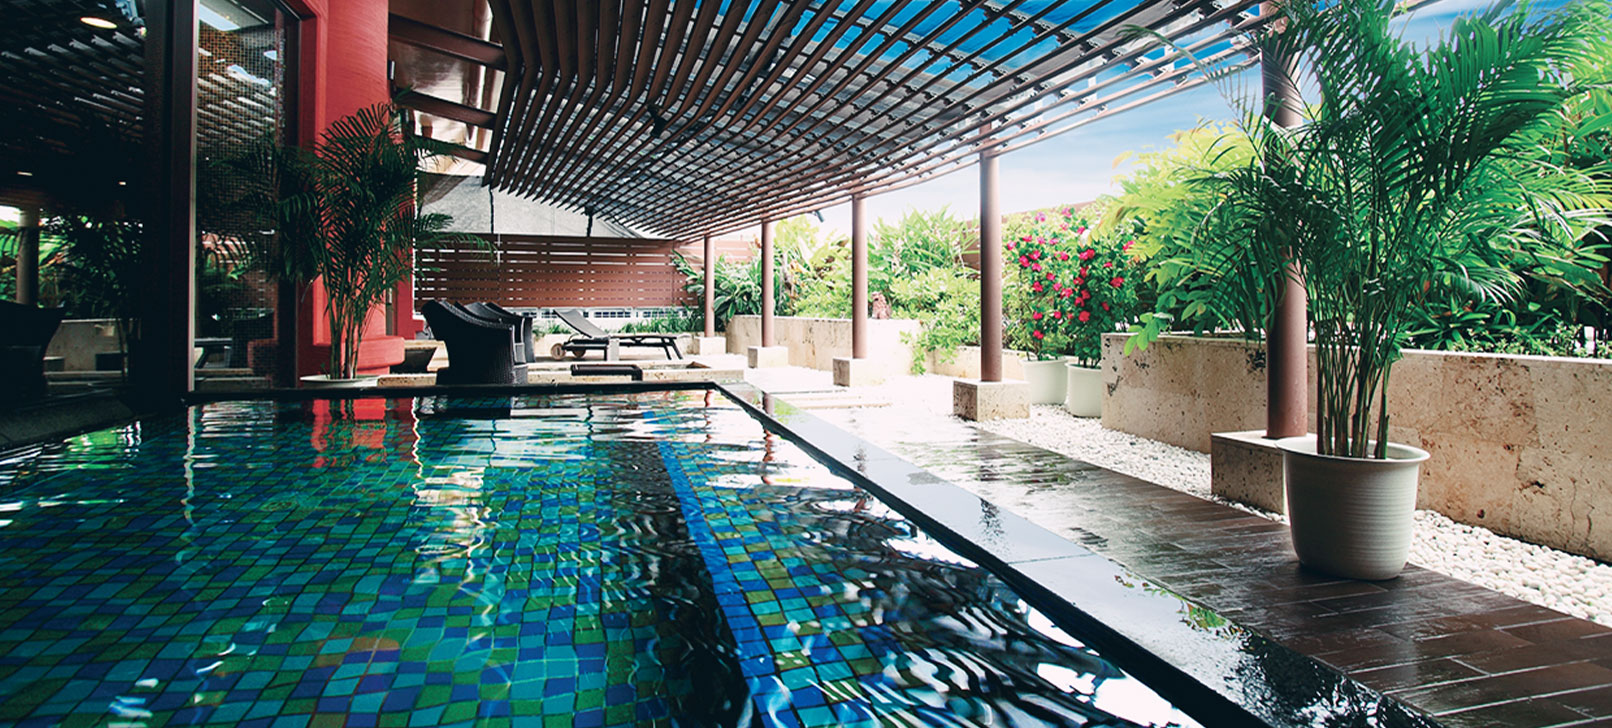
column 687, row 120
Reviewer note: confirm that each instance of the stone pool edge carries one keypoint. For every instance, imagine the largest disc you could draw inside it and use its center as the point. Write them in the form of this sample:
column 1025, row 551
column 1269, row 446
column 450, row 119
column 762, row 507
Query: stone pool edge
column 1126, row 617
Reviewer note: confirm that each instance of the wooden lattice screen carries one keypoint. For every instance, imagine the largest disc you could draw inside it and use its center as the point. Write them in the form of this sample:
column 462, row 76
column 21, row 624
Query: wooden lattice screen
column 542, row 271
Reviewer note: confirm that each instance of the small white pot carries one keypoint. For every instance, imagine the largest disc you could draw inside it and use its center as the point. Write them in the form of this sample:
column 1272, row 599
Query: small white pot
column 325, row 381
column 1083, row 391
column 1046, row 380
column 1351, row 517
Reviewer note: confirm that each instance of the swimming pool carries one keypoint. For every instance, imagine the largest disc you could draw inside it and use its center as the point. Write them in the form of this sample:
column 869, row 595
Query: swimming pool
column 588, row 559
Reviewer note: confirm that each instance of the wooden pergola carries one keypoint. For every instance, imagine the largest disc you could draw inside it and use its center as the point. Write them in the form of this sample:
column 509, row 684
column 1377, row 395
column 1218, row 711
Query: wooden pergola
column 689, row 118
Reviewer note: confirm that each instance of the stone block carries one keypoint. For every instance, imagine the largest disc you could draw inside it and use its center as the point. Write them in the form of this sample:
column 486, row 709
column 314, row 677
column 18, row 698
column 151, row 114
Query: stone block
column 708, row 345
column 849, row 372
column 1246, row 467
column 759, row 357
column 975, row 400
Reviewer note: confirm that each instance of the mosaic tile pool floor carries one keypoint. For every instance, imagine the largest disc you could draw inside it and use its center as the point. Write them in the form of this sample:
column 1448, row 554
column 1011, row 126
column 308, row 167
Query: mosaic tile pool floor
column 575, row 560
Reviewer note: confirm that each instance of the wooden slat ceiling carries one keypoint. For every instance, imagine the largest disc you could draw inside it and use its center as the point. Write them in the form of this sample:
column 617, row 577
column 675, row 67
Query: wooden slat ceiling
column 687, row 117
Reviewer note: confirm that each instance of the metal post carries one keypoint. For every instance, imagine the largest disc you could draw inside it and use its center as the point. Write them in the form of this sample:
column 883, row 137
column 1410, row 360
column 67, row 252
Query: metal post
column 766, row 283
column 859, row 279
column 710, row 287
column 990, row 272
column 1287, row 361
column 28, row 257
column 161, row 365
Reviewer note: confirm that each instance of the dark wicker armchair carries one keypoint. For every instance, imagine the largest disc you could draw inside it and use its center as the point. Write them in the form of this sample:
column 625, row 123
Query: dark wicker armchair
column 26, row 332
column 480, row 350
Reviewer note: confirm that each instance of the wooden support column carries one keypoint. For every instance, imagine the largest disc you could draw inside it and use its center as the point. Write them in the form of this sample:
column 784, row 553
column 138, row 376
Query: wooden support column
column 766, row 284
column 859, row 279
column 990, row 271
column 161, row 364
column 28, row 257
column 1287, row 359
column 710, row 287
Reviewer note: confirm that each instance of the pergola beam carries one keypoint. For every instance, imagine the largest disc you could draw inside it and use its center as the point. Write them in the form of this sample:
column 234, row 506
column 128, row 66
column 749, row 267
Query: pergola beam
column 441, row 40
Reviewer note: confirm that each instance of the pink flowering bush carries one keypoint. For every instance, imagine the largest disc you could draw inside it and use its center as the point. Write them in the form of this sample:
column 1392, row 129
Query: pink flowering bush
column 1071, row 288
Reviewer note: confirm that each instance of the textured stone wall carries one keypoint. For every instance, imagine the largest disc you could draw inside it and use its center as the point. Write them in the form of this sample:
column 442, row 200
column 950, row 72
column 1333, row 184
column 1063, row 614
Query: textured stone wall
column 814, row 342
column 1521, row 445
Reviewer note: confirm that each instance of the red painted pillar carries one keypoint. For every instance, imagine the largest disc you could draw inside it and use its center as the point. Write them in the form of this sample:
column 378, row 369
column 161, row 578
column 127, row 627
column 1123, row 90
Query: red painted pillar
column 766, row 283
column 343, row 58
column 710, row 287
column 990, row 271
column 1286, row 356
column 859, row 278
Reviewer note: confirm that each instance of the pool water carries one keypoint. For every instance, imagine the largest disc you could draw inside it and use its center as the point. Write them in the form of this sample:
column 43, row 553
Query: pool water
column 653, row 558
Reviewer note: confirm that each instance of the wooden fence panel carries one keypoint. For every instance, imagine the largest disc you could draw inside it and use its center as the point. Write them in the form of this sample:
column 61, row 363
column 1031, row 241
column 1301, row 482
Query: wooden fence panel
column 541, row 271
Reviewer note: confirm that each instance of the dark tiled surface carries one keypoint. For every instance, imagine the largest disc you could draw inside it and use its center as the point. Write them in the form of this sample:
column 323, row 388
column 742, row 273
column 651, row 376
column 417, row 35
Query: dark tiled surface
column 1469, row 655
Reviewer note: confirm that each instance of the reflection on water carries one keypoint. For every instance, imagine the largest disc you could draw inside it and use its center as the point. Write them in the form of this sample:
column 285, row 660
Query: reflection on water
column 607, row 560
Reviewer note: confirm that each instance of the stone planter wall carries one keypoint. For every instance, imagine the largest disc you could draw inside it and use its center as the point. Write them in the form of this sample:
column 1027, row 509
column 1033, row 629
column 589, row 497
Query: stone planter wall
column 966, row 364
column 814, row 342
column 1521, row 445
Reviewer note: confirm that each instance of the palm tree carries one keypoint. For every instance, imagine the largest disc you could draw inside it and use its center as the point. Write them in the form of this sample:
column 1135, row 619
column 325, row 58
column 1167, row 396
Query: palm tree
column 1420, row 172
column 350, row 216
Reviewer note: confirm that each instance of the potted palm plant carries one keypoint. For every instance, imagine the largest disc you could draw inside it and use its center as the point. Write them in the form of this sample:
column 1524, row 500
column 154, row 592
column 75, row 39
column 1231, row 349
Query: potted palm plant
column 1415, row 171
column 349, row 216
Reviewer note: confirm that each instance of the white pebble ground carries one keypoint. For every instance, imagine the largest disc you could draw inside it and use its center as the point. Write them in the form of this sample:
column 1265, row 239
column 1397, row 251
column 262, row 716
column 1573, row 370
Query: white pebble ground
column 1565, row 582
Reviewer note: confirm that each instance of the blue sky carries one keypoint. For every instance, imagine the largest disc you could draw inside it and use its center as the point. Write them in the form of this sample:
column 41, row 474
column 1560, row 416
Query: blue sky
column 1080, row 165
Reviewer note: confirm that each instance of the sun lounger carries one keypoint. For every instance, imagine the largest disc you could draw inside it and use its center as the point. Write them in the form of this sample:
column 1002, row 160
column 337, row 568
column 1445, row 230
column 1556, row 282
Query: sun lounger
column 592, row 338
column 525, row 347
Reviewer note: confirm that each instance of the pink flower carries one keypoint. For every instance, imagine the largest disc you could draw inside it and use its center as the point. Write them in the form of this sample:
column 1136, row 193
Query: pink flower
column 1085, row 316
column 1025, row 239
column 1063, row 255
column 1035, row 255
column 1083, row 273
column 1049, row 275
column 1038, row 334
column 1117, row 282
column 1067, row 292
column 1010, row 245
column 1056, row 314
column 1081, row 230
column 1088, row 254
column 1035, row 316
column 1127, row 246
column 1108, row 264
column 1023, row 261
column 1035, row 267
column 1040, row 217
column 1036, row 288
column 1105, row 306
column 1080, row 281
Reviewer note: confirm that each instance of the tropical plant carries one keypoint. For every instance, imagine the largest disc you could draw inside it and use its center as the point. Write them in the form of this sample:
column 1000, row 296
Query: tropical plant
column 737, row 284
column 946, row 302
column 348, row 215
column 1417, row 173
column 922, row 240
column 1163, row 209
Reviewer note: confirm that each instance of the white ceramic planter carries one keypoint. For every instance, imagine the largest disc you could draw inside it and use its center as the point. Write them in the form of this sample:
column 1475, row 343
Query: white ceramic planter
column 1046, row 380
column 1351, row 517
column 1083, row 391
column 324, row 381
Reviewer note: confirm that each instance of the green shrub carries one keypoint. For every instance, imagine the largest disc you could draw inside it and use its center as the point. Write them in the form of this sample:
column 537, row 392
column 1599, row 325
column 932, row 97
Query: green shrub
column 947, row 303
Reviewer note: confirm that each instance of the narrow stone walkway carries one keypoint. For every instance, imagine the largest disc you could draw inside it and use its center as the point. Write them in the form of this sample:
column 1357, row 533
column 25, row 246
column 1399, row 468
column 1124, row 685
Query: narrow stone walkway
column 1466, row 654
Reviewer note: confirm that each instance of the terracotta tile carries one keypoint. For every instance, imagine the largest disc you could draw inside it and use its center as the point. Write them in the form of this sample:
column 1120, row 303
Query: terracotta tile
column 1562, row 629
column 1596, row 703
column 1492, row 689
column 1518, row 714
column 1549, row 653
column 1517, row 614
column 1415, row 675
